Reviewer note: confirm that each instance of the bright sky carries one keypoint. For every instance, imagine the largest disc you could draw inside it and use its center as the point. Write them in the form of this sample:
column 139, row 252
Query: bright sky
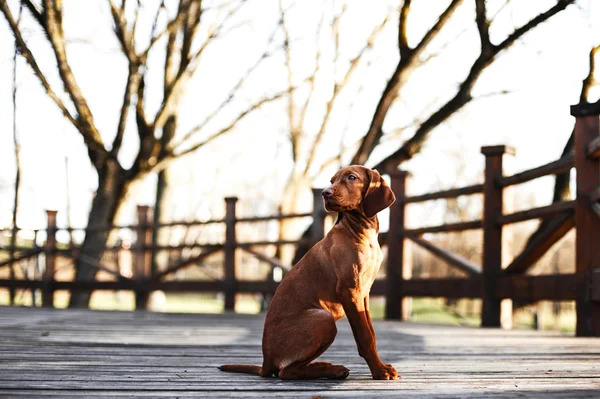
column 543, row 73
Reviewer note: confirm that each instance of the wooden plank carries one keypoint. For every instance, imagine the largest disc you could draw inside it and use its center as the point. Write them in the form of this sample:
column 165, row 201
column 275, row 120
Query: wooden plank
column 452, row 193
column 562, row 165
column 81, row 353
column 452, row 259
column 556, row 287
column 556, row 229
column 447, row 228
column 537, row 213
column 445, row 287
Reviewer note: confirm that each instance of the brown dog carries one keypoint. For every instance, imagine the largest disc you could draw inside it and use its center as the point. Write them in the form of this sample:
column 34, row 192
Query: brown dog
column 332, row 280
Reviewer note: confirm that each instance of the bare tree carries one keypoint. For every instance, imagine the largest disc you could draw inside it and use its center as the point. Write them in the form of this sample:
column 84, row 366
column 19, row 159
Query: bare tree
column 411, row 58
column 488, row 53
column 13, row 237
column 342, row 71
column 174, row 32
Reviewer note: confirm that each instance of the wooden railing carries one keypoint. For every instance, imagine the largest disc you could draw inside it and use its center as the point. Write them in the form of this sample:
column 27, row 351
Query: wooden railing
column 488, row 280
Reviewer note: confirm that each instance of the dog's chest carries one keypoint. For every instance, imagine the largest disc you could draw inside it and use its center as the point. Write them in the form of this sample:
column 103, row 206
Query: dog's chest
column 369, row 260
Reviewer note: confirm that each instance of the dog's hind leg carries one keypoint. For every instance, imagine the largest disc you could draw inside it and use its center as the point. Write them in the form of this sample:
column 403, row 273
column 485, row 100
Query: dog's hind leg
column 315, row 331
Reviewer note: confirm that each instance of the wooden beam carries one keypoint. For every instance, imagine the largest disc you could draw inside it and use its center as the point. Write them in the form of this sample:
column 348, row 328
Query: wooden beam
column 452, row 193
column 397, row 304
column 230, row 247
column 554, row 287
column 557, row 228
column 586, row 109
column 272, row 261
column 593, row 149
column 274, row 217
column 27, row 254
column 587, row 222
column 594, row 282
column 446, row 228
column 595, row 200
column 537, row 213
column 245, row 245
column 452, row 259
column 50, row 252
column 188, row 262
column 436, row 287
column 562, row 165
column 493, row 207
column 132, row 285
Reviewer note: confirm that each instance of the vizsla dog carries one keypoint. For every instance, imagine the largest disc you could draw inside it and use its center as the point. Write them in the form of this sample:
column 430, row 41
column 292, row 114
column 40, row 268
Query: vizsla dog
column 331, row 281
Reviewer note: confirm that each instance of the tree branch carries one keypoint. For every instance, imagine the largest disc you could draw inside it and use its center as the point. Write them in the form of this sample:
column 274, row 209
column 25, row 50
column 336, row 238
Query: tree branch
column 399, row 77
column 28, row 55
column 483, row 25
column 85, row 118
column 38, row 15
column 337, row 88
column 133, row 80
column 171, row 155
column 519, row 32
column 184, row 75
column 123, row 34
column 403, row 47
column 463, row 96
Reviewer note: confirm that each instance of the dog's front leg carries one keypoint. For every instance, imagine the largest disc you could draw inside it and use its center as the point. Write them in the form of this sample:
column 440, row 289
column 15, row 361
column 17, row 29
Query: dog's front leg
column 354, row 306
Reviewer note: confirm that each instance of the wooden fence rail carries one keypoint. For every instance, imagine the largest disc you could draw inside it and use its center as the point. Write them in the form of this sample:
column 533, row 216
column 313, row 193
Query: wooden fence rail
column 488, row 281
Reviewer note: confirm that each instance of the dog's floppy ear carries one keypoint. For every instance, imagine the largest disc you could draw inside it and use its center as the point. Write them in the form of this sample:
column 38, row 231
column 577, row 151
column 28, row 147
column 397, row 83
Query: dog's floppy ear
column 378, row 195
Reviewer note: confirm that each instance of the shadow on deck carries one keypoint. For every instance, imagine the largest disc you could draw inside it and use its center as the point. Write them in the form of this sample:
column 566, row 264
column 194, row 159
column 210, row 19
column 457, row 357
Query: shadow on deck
column 82, row 353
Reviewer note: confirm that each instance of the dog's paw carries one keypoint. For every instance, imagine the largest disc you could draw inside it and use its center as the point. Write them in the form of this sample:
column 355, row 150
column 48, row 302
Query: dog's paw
column 385, row 372
column 339, row 373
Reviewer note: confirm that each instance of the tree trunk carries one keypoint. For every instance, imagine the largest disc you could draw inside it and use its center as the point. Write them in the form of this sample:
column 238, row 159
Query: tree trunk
column 112, row 187
column 161, row 204
column 297, row 198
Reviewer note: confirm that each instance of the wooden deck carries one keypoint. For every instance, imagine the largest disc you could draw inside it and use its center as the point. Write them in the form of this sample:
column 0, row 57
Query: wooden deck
column 63, row 353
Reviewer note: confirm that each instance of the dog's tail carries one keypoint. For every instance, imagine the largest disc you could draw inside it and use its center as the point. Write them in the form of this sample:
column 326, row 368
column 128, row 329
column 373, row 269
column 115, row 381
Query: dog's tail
column 247, row 369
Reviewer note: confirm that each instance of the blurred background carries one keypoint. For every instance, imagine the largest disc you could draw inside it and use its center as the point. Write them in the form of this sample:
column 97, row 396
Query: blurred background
column 111, row 104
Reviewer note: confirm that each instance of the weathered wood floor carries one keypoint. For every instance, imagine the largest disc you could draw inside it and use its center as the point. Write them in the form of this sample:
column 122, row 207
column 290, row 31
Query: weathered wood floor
column 112, row 354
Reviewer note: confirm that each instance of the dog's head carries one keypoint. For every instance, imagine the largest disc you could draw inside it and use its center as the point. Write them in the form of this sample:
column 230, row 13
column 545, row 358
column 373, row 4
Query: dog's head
column 358, row 187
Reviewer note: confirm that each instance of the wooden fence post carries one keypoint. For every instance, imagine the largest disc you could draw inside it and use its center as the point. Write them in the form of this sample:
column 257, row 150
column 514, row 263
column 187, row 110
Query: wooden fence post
column 587, row 222
column 492, row 233
column 319, row 213
column 50, row 254
column 11, row 270
column 230, row 247
column 397, row 306
column 142, row 261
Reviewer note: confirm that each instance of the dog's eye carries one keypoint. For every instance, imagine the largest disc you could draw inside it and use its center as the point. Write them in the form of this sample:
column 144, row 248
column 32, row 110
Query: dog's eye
column 351, row 177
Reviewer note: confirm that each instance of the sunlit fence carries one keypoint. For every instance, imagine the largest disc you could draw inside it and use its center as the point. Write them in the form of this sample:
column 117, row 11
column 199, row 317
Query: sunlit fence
column 130, row 264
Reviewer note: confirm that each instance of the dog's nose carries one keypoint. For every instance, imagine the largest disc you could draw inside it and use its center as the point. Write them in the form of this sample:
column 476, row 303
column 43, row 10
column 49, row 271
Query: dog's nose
column 327, row 193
